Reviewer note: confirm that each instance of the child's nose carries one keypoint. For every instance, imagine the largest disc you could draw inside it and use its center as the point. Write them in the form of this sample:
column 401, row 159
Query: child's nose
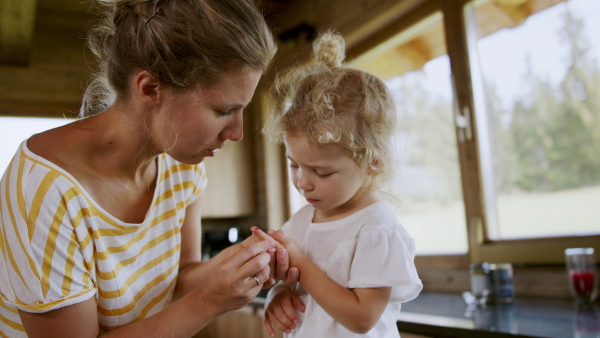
column 303, row 181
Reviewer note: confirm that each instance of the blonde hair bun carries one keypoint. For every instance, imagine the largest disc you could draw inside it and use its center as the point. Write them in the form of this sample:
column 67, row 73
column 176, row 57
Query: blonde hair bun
column 330, row 49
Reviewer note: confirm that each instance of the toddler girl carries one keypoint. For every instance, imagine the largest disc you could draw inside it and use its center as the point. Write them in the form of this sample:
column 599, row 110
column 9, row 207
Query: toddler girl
column 354, row 257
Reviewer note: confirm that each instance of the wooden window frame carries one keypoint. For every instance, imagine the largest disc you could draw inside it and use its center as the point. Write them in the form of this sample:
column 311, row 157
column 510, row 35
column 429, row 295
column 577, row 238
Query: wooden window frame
column 461, row 49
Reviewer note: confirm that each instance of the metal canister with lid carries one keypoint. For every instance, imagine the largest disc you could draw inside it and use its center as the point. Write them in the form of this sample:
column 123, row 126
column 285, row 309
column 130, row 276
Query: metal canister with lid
column 501, row 280
column 480, row 280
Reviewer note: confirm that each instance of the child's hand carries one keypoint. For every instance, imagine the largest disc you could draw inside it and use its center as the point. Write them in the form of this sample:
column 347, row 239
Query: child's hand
column 280, row 264
column 281, row 312
column 293, row 249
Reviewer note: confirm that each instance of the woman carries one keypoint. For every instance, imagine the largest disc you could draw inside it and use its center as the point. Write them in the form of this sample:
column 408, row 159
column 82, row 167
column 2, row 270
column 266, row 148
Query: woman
column 100, row 231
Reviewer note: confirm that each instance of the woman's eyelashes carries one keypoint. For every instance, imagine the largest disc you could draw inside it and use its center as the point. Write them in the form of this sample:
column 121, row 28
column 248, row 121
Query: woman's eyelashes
column 225, row 113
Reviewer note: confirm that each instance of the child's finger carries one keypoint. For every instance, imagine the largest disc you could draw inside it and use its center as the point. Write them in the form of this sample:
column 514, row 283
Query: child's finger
column 298, row 303
column 283, row 264
column 280, row 325
column 290, row 313
column 279, row 236
column 293, row 276
column 272, row 253
column 268, row 325
column 286, row 314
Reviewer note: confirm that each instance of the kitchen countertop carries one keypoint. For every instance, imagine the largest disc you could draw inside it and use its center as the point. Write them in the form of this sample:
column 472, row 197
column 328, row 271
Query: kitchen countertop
column 447, row 315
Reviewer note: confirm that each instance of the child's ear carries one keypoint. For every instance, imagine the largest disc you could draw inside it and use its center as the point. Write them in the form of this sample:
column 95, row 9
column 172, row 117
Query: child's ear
column 373, row 168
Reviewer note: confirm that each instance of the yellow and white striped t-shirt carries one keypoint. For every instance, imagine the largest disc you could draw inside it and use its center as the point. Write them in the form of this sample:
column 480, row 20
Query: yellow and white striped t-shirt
column 58, row 247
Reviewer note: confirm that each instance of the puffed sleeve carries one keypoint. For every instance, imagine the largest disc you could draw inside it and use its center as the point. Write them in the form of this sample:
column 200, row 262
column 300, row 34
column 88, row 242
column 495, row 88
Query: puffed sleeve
column 385, row 257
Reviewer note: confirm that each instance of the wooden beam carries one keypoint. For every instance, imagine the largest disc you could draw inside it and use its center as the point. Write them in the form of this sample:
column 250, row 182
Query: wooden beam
column 17, row 20
column 39, row 109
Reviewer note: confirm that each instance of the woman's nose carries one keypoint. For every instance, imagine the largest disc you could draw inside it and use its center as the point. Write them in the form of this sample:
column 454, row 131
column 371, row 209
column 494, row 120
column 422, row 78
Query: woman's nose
column 235, row 130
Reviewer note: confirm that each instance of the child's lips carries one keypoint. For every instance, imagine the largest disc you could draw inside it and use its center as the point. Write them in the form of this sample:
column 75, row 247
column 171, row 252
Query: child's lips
column 311, row 201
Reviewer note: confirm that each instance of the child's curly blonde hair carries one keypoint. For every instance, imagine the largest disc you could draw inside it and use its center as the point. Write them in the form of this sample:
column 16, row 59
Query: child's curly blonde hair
column 333, row 104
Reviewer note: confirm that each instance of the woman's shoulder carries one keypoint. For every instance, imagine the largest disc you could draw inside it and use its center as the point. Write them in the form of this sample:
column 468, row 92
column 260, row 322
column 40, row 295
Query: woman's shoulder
column 30, row 176
column 51, row 144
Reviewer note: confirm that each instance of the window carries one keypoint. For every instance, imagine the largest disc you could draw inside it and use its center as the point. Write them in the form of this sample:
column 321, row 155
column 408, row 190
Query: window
column 503, row 165
column 14, row 130
column 540, row 80
column 425, row 191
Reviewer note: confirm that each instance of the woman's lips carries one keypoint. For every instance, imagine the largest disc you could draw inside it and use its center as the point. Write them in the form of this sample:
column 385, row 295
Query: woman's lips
column 211, row 152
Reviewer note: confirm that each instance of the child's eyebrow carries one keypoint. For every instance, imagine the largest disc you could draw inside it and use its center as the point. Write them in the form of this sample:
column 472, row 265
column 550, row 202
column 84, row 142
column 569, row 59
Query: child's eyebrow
column 320, row 167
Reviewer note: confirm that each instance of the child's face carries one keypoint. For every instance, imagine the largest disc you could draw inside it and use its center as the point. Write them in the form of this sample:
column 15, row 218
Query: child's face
column 329, row 180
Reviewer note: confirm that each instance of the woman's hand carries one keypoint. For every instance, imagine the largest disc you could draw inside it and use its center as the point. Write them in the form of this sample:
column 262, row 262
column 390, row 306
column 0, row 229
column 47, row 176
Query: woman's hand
column 281, row 311
column 232, row 282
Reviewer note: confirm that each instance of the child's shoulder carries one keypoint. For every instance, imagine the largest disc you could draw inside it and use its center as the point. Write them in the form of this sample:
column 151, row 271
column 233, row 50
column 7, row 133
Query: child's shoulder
column 380, row 217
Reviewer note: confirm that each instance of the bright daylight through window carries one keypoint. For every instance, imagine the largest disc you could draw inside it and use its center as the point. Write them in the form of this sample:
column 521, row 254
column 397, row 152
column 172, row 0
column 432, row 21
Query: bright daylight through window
column 540, row 64
column 426, row 190
column 14, row 130
column 541, row 82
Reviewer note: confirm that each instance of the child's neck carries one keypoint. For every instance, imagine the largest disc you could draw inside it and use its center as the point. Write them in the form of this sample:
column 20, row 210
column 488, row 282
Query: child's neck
column 349, row 208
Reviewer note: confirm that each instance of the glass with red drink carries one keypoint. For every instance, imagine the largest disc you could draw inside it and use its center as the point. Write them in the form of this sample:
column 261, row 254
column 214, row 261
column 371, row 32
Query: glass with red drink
column 581, row 268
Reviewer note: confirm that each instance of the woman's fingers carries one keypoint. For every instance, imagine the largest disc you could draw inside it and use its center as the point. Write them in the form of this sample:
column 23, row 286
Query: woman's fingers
column 268, row 284
column 281, row 264
column 241, row 257
column 250, row 264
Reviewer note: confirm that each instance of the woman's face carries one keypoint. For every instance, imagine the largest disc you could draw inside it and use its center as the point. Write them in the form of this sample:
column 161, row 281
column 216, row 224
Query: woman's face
column 196, row 124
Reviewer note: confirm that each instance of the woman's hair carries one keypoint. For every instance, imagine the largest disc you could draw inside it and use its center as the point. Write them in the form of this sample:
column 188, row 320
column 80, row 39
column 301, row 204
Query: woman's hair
column 184, row 43
column 333, row 104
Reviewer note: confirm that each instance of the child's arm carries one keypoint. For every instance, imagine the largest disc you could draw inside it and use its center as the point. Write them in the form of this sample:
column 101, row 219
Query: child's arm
column 281, row 307
column 357, row 309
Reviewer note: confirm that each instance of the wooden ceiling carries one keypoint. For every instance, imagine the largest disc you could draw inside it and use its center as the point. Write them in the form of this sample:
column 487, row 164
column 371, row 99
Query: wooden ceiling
column 43, row 59
column 20, row 18
column 44, row 62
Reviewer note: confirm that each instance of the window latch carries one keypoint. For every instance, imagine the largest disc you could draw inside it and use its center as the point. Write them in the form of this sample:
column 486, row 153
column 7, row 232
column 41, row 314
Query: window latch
column 463, row 124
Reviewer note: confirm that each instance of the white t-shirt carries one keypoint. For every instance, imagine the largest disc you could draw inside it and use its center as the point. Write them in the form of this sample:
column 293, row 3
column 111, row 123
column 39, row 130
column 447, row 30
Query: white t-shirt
column 369, row 248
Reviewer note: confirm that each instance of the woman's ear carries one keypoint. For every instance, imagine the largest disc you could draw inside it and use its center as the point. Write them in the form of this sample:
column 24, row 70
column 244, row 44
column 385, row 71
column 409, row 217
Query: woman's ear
column 147, row 87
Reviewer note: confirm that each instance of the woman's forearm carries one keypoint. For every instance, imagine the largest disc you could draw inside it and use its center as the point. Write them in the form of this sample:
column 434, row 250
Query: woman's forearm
column 194, row 274
column 190, row 277
column 183, row 318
